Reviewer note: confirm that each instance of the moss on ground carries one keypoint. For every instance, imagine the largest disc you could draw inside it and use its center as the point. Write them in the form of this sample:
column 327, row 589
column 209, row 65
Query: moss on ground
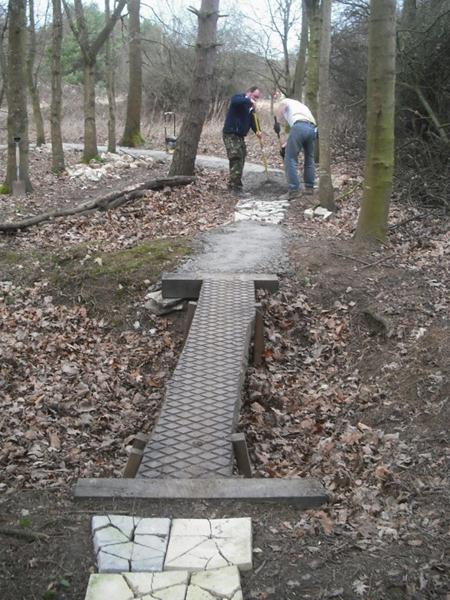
column 106, row 282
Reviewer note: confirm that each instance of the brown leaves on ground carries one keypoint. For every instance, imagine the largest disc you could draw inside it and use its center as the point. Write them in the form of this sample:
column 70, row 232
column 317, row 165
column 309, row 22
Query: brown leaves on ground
column 76, row 386
column 362, row 411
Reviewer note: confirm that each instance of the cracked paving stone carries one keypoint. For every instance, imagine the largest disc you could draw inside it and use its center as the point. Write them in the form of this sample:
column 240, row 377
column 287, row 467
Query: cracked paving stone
column 124, row 543
column 223, row 584
column 196, row 544
column 129, row 586
column 211, row 585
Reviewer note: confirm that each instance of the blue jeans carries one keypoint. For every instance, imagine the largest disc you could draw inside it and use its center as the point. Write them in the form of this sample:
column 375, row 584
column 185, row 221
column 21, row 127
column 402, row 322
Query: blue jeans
column 302, row 135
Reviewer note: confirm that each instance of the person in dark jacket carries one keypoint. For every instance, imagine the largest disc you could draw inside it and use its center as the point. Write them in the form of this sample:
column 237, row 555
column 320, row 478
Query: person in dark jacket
column 238, row 121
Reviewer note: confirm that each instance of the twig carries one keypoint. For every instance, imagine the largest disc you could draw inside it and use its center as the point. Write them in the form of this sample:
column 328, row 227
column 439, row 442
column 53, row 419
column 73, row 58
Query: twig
column 351, row 258
column 349, row 192
column 413, row 218
column 377, row 262
column 26, row 534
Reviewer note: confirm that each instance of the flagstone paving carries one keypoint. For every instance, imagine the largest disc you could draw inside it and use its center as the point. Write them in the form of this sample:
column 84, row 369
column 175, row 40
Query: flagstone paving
column 196, row 544
column 123, row 543
column 177, row 585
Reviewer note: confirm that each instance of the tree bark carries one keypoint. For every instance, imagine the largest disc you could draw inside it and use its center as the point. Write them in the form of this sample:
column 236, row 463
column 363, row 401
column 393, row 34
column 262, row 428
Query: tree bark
column 326, row 192
column 89, row 52
column 90, row 128
column 3, row 65
column 110, row 84
column 373, row 216
column 132, row 134
column 199, row 97
column 312, row 72
column 32, row 77
column 300, row 65
column 56, row 81
column 17, row 122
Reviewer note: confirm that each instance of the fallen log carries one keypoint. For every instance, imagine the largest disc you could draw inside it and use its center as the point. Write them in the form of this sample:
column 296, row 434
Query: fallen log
column 111, row 200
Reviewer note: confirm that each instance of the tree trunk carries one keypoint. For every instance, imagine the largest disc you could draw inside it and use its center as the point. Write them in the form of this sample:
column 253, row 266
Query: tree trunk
column 299, row 76
column 110, row 85
column 3, row 64
column 132, row 134
column 312, row 72
column 56, row 102
column 90, row 129
column 32, row 78
column 89, row 52
column 373, row 216
column 199, row 97
column 326, row 192
column 409, row 12
column 17, row 122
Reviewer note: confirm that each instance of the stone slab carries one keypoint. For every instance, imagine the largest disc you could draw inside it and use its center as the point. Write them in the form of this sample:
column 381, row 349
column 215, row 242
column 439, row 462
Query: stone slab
column 171, row 585
column 128, row 586
column 125, row 543
column 203, row 544
column 304, row 493
column 188, row 285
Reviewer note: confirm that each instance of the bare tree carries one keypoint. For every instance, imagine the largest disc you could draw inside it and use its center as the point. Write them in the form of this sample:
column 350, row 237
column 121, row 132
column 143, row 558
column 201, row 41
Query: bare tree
column 17, row 122
column 199, row 96
column 283, row 21
column 110, row 84
column 3, row 64
column 326, row 193
column 312, row 72
column 56, row 102
column 132, row 135
column 300, row 65
column 32, row 77
column 373, row 216
column 89, row 51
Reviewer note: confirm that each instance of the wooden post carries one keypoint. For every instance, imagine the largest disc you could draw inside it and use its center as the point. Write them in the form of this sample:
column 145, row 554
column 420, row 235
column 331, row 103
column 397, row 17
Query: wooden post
column 191, row 306
column 241, row 454
column 258, row 342
column 135, row 456
column 140, row 441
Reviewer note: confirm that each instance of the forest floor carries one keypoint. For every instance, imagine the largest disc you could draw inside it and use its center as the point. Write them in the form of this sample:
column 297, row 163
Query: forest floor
column 353, row 389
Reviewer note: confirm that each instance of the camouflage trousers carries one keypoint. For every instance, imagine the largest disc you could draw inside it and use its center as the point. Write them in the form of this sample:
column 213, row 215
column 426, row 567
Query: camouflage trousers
column 236, row 152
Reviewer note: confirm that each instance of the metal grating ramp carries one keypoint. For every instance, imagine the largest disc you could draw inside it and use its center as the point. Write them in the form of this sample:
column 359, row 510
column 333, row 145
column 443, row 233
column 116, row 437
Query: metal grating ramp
column 192, row 436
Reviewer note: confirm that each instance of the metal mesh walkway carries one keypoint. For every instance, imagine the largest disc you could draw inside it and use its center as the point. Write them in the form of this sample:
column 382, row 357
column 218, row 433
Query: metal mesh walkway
column 192, row 436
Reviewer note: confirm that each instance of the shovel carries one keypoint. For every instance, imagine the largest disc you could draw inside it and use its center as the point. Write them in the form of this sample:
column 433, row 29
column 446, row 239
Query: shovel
column 258, row 130
column 18, row 186
column 277, row 129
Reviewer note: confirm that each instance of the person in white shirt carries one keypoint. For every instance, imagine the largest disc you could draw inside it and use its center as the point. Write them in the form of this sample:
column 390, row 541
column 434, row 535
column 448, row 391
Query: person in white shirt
column 302, row 135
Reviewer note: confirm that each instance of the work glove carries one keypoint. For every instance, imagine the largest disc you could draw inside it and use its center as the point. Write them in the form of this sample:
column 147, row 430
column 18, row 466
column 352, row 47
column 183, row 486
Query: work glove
column 282, row 151
column 276, row 127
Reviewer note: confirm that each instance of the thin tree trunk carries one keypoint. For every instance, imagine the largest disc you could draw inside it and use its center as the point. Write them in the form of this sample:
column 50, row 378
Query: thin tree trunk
column 326, row 192
column 373, row 216
column 56, row 102
column 199, row 97
column 90, row 129
column 132, row 134
column 312, row 73
column 89, row 52
column 300, row 65
column 31, row 77
column 110, row 85
column 17, row 122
